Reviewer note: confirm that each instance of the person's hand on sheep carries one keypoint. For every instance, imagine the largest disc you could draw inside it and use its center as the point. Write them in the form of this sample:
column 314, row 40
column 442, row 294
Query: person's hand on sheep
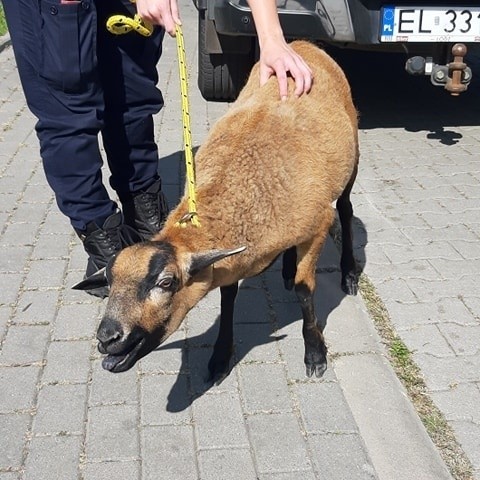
column 160, row 12
column 276, row 56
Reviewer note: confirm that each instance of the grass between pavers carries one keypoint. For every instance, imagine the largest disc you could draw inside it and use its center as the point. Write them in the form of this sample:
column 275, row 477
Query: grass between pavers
column 3, row 23
column 411, row 377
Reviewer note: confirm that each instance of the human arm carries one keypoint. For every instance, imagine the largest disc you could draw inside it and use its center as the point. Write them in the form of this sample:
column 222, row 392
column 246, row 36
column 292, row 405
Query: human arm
column 276, row 56
column 160, row 12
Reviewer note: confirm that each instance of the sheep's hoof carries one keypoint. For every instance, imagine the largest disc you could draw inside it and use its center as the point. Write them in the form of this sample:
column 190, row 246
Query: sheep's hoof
column 350, row 283
column 315, row 363
column 319, row 370
column 218, row 370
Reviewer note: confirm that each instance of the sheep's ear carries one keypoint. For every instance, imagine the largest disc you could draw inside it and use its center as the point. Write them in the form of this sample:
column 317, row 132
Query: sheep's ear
column 205, row 259
column 97, row 280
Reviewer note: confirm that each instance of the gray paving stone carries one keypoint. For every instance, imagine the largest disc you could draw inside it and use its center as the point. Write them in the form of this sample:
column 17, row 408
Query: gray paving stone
column 278, row 294
column 36, row 307
column 427, row 339
column 264, row 388
column 111, row 470
column 219, row 421
column 234, row 464
column 76, row 321
column 466, row 249
column 28, row 212
column 51, row 246
column 203, row 323
column 19, row 234
column 324, row 409
column 10, row 284
column 251, row 307
column 288, row 319
column 453, row 270
column 411, row 315
column 449, row 233
column 14, row 258
column 67, row 362
column 460, row 402
column 46, row 273
column 53, row 458
column 110, row 388
column 24, row 344
column 436, row 249
column 60, row 409
column 20, row 388
column 13, row 434
column 112, row 433
column 304, row 475
column 55, row 223
column 255, row 343
column 8, row 201
column 169, row 358
column 165, row 400
column 283, row 449
column 168, row 452
column 397, row 290
column 464, row 339
column 341, row 456
column 37, row 194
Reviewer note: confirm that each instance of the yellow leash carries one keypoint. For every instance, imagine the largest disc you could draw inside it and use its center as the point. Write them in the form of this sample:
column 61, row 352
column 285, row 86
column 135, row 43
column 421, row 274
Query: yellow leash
column 187, row 134
column 120, row 25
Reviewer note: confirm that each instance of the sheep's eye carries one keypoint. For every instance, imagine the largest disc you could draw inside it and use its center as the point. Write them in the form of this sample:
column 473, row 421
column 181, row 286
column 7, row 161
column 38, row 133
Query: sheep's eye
column 165, row 283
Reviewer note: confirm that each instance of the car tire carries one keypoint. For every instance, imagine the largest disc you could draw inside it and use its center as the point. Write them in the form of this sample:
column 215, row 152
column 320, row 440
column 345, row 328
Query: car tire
column 220, row 76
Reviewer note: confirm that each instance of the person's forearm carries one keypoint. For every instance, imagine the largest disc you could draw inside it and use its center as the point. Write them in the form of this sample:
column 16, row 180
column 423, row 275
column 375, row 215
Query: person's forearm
column 266, row 19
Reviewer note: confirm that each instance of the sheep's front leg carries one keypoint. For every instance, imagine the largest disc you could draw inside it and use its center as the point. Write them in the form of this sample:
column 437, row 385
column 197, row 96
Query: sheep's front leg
column 315, row 348
column 305, row 280
column 219, row 364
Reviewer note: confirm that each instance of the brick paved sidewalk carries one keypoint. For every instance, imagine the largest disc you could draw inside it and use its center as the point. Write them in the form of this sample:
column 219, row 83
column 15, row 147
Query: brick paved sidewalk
column 63, row 417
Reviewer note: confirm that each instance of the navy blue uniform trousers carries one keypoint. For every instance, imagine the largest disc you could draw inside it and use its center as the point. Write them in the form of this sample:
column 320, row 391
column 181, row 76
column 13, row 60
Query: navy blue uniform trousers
column 80, row 81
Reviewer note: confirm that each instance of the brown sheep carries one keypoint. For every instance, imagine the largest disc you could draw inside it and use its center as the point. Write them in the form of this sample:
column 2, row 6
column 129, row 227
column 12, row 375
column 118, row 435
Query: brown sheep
column 266, row 178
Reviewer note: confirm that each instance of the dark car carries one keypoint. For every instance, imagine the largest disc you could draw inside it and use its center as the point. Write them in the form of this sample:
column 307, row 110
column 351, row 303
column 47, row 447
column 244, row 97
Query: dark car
column 433, row 34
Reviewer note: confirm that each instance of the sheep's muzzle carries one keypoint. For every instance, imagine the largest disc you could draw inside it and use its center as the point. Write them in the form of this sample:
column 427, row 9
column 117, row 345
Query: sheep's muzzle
column 122, row 350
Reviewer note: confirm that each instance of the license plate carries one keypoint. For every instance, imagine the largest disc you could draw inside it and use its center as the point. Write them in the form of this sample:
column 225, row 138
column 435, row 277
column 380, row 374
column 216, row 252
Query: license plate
column 430, row 24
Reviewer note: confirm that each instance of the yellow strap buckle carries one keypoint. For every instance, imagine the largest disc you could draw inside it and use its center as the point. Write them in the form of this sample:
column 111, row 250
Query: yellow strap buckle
column 120, row 25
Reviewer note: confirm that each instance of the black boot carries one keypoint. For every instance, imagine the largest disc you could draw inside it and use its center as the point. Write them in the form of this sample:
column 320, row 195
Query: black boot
column 103, row 243
column 146, row 211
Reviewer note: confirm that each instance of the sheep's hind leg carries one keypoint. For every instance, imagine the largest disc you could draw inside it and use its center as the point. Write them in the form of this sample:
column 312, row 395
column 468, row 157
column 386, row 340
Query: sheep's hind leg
column 219, row 363
column 347, row 261
column 289, row 267
column 315, row 348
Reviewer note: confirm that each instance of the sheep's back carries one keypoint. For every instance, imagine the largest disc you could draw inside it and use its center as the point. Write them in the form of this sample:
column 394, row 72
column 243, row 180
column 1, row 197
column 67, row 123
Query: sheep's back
column 274, row 166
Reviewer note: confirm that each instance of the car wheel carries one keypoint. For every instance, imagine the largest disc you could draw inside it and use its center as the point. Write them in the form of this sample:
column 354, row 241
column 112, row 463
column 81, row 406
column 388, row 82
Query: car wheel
column 221, row 76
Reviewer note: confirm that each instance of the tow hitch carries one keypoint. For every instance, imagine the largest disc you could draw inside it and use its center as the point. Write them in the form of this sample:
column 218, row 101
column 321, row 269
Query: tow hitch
column 454, row 76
